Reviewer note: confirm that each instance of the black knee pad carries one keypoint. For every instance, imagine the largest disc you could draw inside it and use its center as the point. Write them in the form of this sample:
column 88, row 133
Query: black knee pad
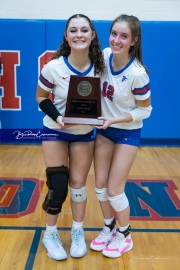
column 57, row 182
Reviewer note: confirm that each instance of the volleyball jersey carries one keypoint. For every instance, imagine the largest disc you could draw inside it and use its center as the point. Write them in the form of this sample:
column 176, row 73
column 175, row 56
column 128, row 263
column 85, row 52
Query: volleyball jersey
column 121, row 89
column 55, row 78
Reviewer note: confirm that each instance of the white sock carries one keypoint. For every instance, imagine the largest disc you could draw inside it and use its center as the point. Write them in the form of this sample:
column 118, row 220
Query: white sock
column 108, row 221
column 122, row 229
column 77, row 225
column 51, row 228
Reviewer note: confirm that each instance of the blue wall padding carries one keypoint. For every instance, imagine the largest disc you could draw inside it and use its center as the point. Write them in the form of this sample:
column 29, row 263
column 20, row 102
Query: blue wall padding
column 161, row 45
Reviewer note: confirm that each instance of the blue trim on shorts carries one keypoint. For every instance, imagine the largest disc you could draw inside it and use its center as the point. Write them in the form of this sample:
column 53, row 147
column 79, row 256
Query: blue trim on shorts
column 121, row 136
column 62, row 136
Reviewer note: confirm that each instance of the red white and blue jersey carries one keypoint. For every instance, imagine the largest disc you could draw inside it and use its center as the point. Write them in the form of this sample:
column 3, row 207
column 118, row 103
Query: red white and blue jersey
column 121, row 89
column 55, row 78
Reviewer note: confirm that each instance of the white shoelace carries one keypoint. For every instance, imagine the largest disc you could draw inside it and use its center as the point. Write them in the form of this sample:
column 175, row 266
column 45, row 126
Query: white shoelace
column 76, row 234
column 56, row 239
column 115, row 242
column 103, row 234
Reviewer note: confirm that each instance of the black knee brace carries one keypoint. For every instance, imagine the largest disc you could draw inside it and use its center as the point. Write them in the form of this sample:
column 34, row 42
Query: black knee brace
column 57, row 182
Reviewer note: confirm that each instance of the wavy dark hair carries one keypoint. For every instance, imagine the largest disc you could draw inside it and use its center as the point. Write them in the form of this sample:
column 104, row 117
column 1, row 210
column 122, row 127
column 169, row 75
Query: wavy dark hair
column 136, row 31
column 95, row 51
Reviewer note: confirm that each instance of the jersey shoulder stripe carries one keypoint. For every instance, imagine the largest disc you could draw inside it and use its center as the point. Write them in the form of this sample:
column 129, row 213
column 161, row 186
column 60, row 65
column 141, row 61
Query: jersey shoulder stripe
column 46, row 82
column 141, row 91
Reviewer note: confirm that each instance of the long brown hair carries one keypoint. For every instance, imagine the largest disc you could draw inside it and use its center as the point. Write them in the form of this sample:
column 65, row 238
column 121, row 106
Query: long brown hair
column 136, row 31
column 95, row 51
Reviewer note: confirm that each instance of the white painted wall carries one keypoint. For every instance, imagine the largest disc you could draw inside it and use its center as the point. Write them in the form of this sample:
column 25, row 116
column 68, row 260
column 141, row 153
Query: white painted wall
column 150, row 10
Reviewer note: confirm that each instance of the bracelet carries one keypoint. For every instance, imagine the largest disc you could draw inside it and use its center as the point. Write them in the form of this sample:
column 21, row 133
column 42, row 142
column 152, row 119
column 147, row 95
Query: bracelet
column 48, row 108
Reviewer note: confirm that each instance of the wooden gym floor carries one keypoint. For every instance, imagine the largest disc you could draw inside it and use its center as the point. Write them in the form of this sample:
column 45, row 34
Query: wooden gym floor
column 153, row 189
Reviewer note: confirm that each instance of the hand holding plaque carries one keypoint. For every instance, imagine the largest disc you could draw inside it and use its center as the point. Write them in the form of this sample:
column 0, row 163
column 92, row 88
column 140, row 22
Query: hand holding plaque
column 83, row 101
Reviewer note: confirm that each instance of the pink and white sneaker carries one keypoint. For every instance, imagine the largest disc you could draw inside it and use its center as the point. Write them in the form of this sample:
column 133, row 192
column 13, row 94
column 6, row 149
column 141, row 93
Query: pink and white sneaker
column 105, row 236
column 118, row 245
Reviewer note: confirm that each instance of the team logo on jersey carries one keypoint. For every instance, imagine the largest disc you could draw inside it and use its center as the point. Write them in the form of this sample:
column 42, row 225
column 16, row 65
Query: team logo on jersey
column 124, row 78
column 19, row 196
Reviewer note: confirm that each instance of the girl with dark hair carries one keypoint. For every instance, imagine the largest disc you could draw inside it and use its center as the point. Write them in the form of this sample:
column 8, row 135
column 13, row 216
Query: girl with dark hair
column 69, row 157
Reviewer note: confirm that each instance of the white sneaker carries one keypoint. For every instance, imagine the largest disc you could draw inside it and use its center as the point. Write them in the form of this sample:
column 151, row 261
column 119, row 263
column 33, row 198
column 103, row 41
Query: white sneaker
column 118, row 245
column 78, row 245
column 52, row 242
column 105, row 236
column 100, row 242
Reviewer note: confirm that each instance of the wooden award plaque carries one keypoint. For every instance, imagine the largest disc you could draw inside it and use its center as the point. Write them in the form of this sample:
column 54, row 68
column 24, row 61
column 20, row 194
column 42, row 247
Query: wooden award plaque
column 83, row 105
